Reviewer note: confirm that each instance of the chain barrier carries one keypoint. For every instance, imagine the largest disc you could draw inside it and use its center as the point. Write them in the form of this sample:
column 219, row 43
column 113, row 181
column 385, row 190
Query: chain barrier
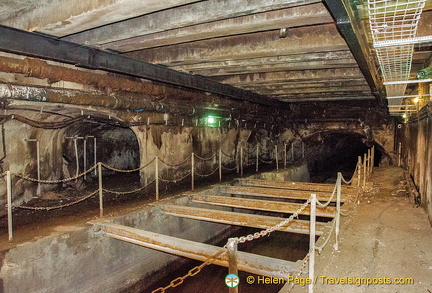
column 320, row 248
column 59, row 180
column 249, row 153
column 128, row 192
column 301, row 271
column 192, row 272
column 3, row 174
column 229, row 169
column 127, row 171
column 206, row 159
column 329, row 200
column 266, row 162
column 175, row 165
column 267, row 231
column 352, row 178
column 230, row 156
column 59, row 206
column 175, row 180
column 206, row 175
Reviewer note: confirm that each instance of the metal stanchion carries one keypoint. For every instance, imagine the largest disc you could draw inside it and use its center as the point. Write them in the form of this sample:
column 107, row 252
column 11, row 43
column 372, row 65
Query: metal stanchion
column 359, row 169
column 285, row 156
column 368, row 162
column 400, row 154
column 372, row 158
column 157, row 177
column 220, row 165
column 312, row 242
column 100, row 190
column 276, row 158
column 241, row 161
column 193, row 171
column 232, row 260
column 9, row 204
column 338, row 205
column 257, row 159
column 364, row 170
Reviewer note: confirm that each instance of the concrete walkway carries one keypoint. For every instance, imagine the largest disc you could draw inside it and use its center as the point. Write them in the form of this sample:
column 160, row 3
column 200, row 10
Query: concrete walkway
column 386, row 237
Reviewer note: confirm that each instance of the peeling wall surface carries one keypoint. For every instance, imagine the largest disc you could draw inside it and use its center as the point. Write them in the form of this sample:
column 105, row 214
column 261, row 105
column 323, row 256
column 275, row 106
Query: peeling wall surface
column 416, row 143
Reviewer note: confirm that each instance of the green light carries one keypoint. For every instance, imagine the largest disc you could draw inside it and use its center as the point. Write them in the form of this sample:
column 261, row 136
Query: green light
column 210, row 120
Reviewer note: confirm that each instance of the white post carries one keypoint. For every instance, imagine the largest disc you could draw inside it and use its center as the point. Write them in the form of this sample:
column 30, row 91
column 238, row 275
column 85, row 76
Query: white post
column 157, row 177
column 338, row 200
column 9, row 204
column 94, row 150
column 400, row 154
column 292, row 151
column 285, row 156
column 85, row 157
column 372, row 158
column 193, row 171
column 100, row 190
column 232, row 260
column 276, row 158
column 257, row 158
column 359, row 170
column 241, row 161
column 220, row 165
column 312, row 243
column 364, row 170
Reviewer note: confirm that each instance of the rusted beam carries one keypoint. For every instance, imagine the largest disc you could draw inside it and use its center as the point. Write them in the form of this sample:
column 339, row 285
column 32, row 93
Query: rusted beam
column 239, row 219
column 275, row 192
column 187, row 15
column 293, row 185
column 261, row 205
column 305, row 15
column 248, row 262
column 45, row 47
column 303, row 40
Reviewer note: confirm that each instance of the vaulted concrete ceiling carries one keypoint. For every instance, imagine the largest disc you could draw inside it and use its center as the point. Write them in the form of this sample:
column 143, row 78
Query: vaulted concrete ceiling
column 236, row 42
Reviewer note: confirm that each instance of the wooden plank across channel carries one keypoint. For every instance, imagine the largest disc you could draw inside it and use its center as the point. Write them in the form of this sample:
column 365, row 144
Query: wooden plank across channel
column 277, row 193
column 239, row 219
column 295, row 185
column 262, row 205
column 248, row 262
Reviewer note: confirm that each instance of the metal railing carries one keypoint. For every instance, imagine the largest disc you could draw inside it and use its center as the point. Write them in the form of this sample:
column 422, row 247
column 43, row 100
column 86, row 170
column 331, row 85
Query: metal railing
column 363, row 172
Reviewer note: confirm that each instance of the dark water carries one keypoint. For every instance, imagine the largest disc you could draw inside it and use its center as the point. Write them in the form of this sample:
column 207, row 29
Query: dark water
column 286, row 246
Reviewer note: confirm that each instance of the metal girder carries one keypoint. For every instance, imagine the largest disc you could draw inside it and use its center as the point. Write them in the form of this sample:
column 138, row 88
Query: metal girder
column 45, row 47
column 187, row 15
column 293, row 185
column 262, row 205
column 301, row 40
column 289, row 17
column 239, row 219
column 248, row 262
column 275, row 192
column 348, row 28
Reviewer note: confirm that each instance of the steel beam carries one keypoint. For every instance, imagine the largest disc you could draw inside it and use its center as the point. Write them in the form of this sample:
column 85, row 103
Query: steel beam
column 261, row 205
column 45, row 47
column 187, row 15
column 302, row 40
column 248, row 262
column 305, row 15
column 348, row 27
column 239, row 219
column 293, row 185
column 274, row 193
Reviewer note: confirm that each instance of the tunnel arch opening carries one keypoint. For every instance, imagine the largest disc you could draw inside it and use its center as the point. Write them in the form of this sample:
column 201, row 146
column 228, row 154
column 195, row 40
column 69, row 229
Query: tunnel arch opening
column 332, row 151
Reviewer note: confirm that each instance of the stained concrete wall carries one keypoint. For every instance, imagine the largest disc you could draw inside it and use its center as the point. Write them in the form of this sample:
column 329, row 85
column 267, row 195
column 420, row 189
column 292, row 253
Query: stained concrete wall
column 416, row 141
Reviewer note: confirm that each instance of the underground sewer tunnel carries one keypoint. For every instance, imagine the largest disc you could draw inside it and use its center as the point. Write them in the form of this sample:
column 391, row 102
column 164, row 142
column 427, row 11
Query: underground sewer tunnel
column 329, row 152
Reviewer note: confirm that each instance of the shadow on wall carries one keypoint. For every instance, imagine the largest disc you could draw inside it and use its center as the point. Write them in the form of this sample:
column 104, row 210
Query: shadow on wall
column 329, row 152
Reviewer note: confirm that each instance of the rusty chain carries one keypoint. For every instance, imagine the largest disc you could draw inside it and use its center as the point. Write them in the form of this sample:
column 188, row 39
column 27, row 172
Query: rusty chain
column 175, row 180
column 127, row 171
column 205, row 159
column 230, row 156
column 175, row 165
column 59, row 206
column 206, row 175
column 59, row 180
column 229, row 169
column 128, row 192
column 192, row 272
column 301, row 271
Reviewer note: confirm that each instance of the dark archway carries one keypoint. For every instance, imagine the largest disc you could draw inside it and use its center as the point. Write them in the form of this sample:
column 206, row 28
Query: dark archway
column 329, row 152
